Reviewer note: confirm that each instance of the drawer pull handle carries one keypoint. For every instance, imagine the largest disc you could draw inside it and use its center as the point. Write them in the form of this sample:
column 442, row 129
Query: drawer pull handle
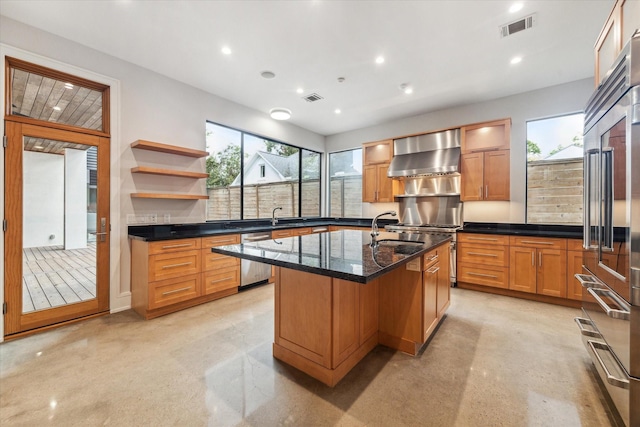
column 587, row 332
column 215, row 242
column 182, row 264
column 182, row 245
column 432, row 257
column 536, row 242
column 221, row 280
column 317, row 230
column 471, row 273
column 624, row 314
column 481, row 254
column 175, row 291
column 611, row 379
column 433, row 270
column 484, row 239
column 261, row 237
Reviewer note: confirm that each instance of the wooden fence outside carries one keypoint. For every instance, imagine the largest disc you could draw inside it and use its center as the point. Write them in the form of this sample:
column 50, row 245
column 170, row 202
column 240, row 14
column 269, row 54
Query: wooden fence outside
column 554, row 192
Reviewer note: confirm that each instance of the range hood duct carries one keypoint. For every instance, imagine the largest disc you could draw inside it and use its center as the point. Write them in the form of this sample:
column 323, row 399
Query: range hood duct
column 426, row 155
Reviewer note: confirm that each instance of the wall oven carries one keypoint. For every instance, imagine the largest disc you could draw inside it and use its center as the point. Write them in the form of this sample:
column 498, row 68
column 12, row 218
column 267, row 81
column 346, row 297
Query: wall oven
column 610, row 326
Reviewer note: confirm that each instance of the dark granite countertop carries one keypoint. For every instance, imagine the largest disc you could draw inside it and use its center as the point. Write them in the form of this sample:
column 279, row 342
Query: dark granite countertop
column 538, row 230
column 151, row 233
column 345, row 254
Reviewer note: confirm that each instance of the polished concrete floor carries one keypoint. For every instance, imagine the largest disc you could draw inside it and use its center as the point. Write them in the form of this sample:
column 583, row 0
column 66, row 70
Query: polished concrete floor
column 495, row 361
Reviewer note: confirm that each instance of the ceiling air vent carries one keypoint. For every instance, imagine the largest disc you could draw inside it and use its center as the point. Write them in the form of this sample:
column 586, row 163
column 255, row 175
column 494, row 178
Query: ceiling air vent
column 312, row 98
column 517, row 26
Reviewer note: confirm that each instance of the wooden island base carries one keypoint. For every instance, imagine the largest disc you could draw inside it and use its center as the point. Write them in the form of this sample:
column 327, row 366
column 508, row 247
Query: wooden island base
column 324, row 326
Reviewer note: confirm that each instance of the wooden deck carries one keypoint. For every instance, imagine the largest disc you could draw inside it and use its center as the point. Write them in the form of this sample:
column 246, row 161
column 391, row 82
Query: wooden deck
column 53, row 276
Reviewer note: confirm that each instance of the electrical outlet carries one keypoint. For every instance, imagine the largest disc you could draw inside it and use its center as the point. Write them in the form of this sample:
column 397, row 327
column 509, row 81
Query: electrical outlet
column 167, row 218
column 152, row 218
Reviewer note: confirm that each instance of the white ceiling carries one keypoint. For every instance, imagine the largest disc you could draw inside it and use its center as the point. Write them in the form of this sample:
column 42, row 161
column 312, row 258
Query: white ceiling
column 449, row 51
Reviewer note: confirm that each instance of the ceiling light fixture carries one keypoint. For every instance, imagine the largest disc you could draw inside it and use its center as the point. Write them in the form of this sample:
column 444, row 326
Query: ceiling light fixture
column 226, row 50
column 337, row 111
column 299, row 90
column 380, row 60
column 516, row 60
column 280, row 114
column 57, row 108
column 515, row 7
column 68, row 86
column 406, row 88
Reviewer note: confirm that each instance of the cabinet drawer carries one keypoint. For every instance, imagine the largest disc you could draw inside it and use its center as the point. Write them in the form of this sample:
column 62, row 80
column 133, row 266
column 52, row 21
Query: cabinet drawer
column 169, row 246
column 278, row 234
column 498, row 277
column 171, row 291
column 535, row 242
column 574, row 245
column 227, row 239
column 431, row 257
column 485, row 255
column 484, row 239
column 165, row 266
column 220, row 280
column 212, row 261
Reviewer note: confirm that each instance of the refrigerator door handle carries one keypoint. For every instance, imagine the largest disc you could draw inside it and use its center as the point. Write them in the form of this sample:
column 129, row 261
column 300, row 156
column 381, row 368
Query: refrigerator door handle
column 611, row 379
column 607, row 195
column 624, row 314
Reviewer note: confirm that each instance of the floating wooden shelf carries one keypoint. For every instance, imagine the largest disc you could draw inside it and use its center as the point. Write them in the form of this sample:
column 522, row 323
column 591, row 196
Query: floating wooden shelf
column 166, row 148
column 169, row 196
column 168, row 172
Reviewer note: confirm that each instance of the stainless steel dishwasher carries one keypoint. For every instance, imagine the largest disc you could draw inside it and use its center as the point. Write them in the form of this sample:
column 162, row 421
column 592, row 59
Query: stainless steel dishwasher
column 254, row 273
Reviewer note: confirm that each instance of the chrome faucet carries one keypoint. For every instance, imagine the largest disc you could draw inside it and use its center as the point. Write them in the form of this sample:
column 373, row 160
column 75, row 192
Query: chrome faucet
column 274, row 220
column 374, row 224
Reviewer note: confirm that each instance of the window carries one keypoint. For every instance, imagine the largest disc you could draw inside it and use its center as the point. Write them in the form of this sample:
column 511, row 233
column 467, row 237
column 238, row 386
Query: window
column 249, row 176
column 554, row 170
column 345, row 184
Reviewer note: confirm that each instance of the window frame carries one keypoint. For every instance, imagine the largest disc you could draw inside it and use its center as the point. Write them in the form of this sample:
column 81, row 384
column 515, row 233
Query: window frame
column 300, row 176
column 328, row 183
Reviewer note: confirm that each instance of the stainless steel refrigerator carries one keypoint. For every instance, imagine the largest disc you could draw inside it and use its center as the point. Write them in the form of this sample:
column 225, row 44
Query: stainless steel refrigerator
column 610, row 326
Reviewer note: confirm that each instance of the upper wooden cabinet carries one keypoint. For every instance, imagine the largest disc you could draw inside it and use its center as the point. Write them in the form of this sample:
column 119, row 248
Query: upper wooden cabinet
column 486, row 136
column 485, row 176
column 376, row 186
column 623, row 21
column 377, row 152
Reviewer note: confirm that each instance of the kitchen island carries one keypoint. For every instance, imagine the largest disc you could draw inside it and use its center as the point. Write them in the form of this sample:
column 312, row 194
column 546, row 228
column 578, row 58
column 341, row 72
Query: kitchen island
column 337, row 297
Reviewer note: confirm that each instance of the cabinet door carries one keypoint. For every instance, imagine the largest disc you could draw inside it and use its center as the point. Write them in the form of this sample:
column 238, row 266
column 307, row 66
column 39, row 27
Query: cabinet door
column 444, row 282
column 496, row 175
column 574, row 266
column 552, row 272
column 522, row 274
column 471, row 171
column 385, row 184
column 369, row 186
column 430, row 295
column 486, row 136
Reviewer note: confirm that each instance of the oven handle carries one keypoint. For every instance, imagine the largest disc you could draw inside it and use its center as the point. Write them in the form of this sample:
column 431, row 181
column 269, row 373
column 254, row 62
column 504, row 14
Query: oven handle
column 614, row 381
column 611, row 312
column 584, row 331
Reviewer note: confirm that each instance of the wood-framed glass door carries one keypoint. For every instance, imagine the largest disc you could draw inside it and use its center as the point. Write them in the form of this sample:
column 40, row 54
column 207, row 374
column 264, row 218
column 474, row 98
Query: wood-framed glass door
column 57, row 226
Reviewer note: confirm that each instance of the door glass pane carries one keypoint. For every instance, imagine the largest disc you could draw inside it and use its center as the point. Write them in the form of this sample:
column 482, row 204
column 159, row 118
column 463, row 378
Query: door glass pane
column 310, row 177
column 59, row 217
column 345, row 184
column 279, row 185
column 56, row 101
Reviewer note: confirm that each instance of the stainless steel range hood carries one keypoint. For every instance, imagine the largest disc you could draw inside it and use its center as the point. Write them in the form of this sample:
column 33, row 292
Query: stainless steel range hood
column 426, row 155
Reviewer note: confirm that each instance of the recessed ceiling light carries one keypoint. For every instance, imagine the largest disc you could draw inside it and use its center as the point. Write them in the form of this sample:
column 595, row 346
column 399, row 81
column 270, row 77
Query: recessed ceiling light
column 268, row 74
column 68, row 86
column 38, row 147
column 380, row 60
column 515, row 7
column 299, row 90
column 57, row 108
column 226, row 50
column 337, row 111
column 406, row 88
column 280, row 114
column 516, row 59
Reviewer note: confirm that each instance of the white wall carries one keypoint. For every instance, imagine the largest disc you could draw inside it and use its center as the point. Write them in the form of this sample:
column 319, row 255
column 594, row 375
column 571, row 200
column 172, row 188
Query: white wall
column 156, row 108
column 551, row 101
column 75, row 199
column 43, row 203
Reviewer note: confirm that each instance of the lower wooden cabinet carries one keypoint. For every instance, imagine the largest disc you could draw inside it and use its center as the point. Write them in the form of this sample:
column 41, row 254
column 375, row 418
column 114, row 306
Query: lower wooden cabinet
column 171, row 275
column 483, row 259
column 539, row 265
